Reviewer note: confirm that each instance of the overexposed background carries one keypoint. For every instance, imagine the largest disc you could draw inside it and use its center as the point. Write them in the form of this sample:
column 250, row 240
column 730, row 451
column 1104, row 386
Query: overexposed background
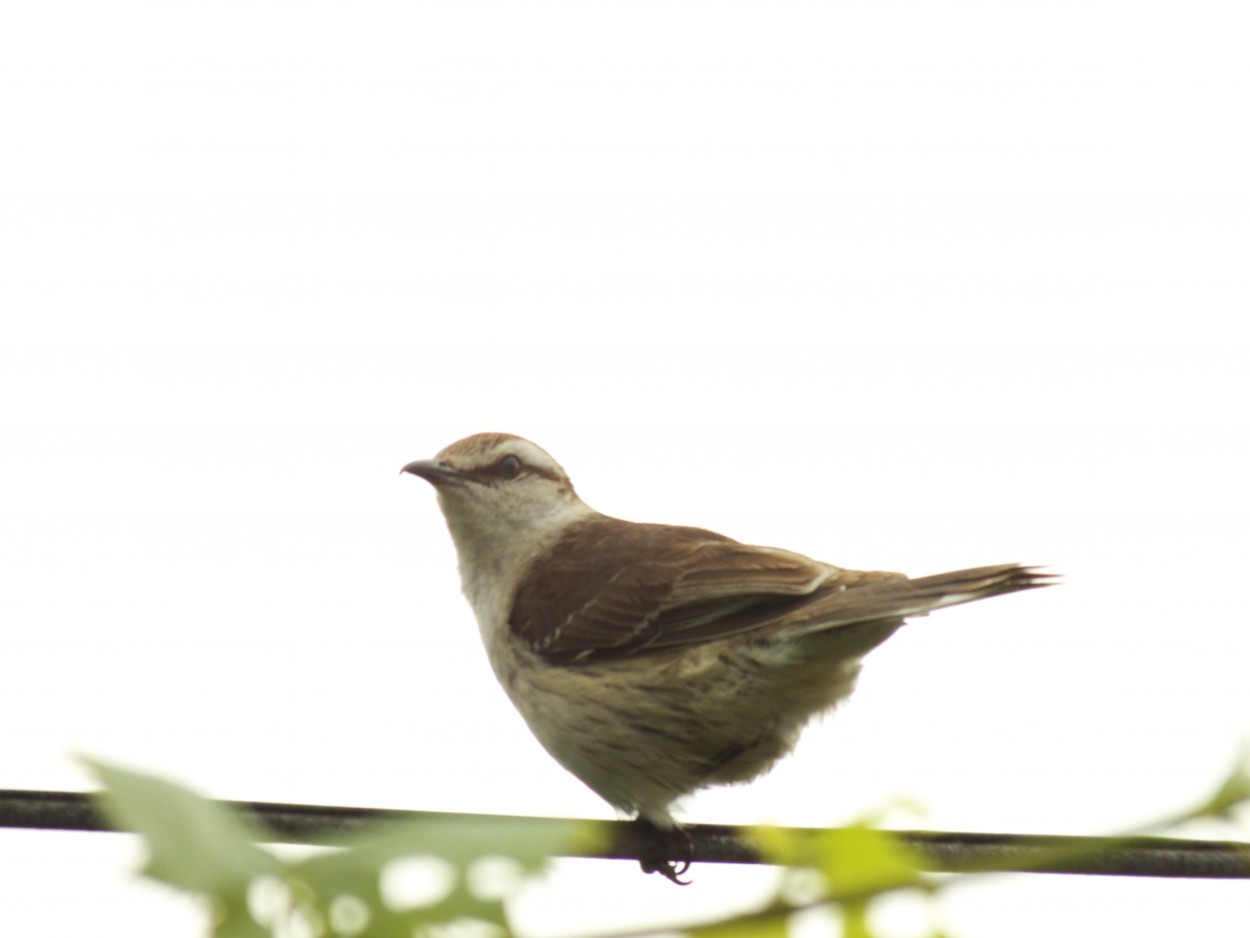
column 900, row 285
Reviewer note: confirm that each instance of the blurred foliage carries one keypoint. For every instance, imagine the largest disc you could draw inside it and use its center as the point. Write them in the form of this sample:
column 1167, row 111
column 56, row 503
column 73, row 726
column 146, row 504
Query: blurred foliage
column 394, row 881
column 1229, row 795
column 453, row 876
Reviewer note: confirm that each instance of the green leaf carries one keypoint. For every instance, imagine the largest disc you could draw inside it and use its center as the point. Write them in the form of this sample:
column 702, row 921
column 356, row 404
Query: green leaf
column 855, row 920
column 786, row 846
column 856, row 861
column 860, row 861
column 203, row 847
column 1233, row 792
column 462, row 843
column 193, row 843
column 773, row 924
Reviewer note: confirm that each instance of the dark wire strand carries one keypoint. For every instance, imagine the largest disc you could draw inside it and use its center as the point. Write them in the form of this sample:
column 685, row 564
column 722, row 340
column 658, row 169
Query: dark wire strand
column 941, row 851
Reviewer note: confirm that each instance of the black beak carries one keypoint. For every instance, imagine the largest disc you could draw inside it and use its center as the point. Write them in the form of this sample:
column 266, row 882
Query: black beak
column 433, row 471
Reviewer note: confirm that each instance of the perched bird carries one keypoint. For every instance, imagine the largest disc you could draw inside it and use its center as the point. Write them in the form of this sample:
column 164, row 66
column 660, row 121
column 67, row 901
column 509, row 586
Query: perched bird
column 652, row 660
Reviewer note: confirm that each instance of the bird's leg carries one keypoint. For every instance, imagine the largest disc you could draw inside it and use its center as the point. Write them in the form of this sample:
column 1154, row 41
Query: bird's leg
column 657, row 848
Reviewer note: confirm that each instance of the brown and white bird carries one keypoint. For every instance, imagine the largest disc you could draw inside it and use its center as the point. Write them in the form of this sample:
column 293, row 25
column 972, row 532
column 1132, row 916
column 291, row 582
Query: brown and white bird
column 652, row 660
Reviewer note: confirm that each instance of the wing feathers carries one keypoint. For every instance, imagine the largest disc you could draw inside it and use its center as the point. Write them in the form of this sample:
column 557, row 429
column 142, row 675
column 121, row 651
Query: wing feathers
column 610, row 588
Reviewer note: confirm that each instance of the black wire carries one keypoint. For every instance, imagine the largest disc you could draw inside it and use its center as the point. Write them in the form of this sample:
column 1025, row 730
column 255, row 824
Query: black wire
column 948, row 852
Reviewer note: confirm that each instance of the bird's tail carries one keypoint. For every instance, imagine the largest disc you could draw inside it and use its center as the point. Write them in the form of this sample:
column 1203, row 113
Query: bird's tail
column 963, row 586
column 896, row 599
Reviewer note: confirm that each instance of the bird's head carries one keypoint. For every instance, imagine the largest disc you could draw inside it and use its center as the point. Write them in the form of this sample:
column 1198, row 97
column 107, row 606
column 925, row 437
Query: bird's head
column 499, row 493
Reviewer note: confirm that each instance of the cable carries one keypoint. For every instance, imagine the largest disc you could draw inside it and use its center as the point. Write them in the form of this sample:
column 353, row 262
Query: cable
column 949, row 852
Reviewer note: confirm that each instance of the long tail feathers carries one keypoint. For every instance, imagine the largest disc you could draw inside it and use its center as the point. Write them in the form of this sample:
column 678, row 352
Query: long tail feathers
column 898, row 599
column 962, row 586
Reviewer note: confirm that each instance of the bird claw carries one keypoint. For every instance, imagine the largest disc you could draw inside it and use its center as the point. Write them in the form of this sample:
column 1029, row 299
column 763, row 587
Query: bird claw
column 660, row 847
column 670, row 870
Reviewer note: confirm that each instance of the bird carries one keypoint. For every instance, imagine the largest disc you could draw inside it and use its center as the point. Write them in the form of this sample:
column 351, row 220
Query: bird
column 653, row 660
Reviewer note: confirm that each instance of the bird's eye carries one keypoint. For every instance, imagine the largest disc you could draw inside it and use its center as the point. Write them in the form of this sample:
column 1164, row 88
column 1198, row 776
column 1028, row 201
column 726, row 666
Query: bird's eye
column 509, row 467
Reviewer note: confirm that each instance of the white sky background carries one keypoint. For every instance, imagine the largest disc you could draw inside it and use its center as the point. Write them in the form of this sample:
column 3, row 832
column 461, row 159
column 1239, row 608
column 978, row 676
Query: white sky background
column 899, row 285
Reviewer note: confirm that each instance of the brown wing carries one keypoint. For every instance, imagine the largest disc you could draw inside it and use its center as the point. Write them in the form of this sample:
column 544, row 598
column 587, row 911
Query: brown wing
column 610, row 587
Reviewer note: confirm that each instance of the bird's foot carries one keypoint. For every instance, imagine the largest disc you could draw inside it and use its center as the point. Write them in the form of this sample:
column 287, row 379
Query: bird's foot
column 667, row 852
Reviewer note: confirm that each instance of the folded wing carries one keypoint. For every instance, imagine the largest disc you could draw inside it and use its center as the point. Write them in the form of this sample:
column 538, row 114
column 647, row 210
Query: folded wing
column 610, row 588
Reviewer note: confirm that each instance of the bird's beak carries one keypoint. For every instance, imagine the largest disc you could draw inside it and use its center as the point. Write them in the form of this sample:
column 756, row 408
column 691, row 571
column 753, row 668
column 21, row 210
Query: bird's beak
column 433, row 471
